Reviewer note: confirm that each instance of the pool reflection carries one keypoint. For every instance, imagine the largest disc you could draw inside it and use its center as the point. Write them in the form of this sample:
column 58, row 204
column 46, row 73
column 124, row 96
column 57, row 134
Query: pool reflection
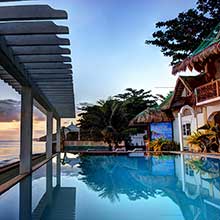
column 188, row 188
column 191, row 183
column 40, row 196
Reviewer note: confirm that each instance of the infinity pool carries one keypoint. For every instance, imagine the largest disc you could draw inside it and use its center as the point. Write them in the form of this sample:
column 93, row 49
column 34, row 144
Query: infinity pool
column 117, row 188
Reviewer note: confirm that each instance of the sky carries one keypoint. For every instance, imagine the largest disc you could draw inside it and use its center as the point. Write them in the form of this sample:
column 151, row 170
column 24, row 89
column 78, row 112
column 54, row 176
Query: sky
column 108, row 47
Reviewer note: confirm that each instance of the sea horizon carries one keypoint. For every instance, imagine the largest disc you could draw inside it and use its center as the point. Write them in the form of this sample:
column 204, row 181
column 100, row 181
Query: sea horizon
column 10, row 150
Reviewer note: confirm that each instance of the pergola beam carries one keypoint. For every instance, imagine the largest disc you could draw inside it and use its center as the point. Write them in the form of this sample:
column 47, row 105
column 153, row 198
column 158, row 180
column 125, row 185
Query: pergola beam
column 43, row 58
column 39, row 50
column 36, row 40
column 30, row 12
column 51, row 66
column 23, row 28
column 50, row 71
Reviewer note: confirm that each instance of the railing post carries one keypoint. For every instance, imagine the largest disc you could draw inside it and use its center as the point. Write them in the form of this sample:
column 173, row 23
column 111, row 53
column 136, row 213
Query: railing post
column 49, row 134
column 26, row 130
column 196, row 94
column 217, row 89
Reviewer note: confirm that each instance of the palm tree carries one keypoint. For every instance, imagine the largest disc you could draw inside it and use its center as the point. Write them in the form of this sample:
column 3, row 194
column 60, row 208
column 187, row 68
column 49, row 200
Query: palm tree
column 108, row 120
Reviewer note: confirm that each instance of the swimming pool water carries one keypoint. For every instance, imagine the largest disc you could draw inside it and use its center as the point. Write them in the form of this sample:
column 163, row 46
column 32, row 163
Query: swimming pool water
column 118, row 188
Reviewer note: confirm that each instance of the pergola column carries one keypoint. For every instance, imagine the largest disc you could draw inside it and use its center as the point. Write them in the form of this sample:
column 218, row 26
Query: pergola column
column 26, row 130
column 58, row 135
column 49, row 134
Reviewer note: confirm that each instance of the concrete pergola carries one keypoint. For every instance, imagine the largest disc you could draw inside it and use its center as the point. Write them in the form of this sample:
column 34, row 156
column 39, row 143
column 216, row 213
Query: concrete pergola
column 32, row 62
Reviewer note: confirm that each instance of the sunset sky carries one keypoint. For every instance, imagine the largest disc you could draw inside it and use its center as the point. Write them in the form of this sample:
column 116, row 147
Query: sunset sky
column 108, row 53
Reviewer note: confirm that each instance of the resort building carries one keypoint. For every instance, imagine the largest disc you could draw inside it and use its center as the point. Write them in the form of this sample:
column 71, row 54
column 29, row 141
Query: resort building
column 197, row 97
column 183, row 104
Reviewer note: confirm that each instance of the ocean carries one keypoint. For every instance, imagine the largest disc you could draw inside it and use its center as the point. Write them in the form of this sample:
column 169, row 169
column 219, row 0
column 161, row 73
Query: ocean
column 10, row 150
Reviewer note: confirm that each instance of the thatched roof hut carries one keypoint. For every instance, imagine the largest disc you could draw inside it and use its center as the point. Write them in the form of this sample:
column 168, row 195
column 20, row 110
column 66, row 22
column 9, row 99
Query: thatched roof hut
column 151, row 115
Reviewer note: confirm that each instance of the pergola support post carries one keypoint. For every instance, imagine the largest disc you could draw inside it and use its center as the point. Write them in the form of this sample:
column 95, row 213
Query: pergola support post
column 26, row 130
column 58, row 135
column 49, row 134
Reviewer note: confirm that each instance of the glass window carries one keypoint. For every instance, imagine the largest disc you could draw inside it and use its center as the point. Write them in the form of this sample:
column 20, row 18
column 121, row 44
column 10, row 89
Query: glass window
column 187, row 129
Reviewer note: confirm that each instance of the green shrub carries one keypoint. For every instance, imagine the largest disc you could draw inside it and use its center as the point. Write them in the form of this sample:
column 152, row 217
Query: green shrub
column 162, row 144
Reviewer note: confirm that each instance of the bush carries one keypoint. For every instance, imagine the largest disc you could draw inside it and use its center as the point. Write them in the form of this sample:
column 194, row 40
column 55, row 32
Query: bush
column 162, row 144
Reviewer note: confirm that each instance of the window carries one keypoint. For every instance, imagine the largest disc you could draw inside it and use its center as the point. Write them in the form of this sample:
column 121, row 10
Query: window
column 187, row 129
column 189, row 170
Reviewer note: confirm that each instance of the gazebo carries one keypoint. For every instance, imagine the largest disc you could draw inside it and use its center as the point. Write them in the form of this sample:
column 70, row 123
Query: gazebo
column 71, row 131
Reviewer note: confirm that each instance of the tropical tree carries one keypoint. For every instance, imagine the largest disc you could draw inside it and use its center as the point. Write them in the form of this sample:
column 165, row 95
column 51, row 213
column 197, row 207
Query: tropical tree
column 178, row 37
column 108, row 119
column 135, row 101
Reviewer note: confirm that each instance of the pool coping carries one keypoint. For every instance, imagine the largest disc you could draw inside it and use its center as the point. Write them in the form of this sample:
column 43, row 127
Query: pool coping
column 211, row 155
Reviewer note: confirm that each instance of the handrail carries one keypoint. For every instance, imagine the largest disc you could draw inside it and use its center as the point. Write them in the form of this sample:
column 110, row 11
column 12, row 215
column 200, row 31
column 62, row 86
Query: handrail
column 210, row 83
column 204, row 92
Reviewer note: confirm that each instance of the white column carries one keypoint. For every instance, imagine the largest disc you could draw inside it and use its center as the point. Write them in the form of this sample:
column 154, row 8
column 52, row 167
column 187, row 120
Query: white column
column 58, row 136
column 183, row 172
column 180, row 131
column 49, row 134
column 26, row 130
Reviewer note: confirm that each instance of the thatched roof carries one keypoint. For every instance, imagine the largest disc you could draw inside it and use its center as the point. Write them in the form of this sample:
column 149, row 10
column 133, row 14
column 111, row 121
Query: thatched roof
column 150, row 115
column 197, row 60
column 165, row 105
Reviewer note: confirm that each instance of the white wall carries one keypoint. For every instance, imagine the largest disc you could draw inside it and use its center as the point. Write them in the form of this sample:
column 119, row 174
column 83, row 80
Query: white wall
column 211, row 109
column 200, row 119
column 187, row 119
column 138, row 140
column 176, row 131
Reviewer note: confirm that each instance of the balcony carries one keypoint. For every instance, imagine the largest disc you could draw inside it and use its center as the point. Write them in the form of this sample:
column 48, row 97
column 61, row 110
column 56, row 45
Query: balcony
column 208, row 93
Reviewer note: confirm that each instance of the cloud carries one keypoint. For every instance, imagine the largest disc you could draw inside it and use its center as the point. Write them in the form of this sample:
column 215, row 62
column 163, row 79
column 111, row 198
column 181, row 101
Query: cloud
column 38, row 115
column 10, row 110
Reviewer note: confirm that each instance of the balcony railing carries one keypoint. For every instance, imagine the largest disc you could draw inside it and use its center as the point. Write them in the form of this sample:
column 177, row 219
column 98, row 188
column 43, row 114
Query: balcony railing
column 208, row 91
